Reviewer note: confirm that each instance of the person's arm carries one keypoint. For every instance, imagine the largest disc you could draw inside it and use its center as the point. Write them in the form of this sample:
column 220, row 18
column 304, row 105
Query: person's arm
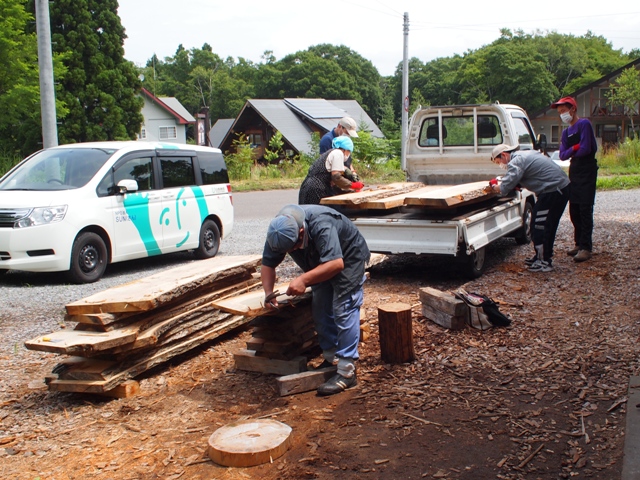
column 565, row 150
column 584, row 146
column 268, row 278
column 322, row 272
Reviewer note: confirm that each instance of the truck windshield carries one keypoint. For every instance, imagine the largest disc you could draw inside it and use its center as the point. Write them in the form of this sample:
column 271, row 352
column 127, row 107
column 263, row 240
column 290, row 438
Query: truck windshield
column 460, row 131
column 56, row 169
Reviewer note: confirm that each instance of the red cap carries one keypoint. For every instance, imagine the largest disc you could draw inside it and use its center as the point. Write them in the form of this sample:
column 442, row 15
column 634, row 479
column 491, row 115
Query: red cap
column 565, row 101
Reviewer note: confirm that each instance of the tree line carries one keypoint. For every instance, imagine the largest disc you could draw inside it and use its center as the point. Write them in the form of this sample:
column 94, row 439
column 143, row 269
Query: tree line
column 97, row 89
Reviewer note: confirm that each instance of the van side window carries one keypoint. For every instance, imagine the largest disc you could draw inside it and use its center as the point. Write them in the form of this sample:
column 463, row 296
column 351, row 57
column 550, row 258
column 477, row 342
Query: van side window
column 525, row 136
column 136, row 168
column 177, row 171
column 212, row 168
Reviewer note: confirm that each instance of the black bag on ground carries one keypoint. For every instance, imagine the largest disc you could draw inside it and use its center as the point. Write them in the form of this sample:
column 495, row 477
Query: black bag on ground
column 490, row 308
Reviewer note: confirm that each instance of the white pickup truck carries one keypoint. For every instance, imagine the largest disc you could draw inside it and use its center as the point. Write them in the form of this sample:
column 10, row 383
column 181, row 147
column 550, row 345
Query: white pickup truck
column 451, row 145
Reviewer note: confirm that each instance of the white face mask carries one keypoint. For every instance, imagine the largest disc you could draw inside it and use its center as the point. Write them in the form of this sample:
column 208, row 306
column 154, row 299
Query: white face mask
column 503, row 166
column 566, row 117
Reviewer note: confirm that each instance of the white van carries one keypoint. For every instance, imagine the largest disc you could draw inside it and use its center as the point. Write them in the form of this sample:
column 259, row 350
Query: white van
column 79, row 207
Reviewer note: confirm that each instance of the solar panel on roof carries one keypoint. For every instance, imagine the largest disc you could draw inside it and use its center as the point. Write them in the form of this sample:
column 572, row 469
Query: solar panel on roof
column 316, row 107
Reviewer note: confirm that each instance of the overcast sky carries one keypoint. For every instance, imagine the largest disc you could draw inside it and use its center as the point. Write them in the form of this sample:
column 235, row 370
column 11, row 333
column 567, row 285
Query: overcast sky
column 372, row 28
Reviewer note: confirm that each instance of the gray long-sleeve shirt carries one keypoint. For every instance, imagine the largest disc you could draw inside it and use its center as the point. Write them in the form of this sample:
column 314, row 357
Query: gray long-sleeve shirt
column 533, row 171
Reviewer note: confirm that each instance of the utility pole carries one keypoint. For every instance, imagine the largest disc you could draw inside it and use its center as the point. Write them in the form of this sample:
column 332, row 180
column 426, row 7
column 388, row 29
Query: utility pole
column 405, row 93
column 45, row 65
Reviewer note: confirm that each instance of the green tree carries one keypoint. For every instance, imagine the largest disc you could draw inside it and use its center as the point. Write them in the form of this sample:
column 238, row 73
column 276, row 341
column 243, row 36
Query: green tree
column 625, row 91
column 19, row 84
column 100, row 88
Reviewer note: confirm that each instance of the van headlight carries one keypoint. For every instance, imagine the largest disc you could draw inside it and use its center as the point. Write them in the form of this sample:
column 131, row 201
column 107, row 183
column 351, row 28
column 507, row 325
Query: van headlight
column 42, row 216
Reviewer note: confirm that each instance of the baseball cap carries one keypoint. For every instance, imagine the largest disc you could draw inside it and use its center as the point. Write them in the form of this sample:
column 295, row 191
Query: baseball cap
column 565, row 101
column 350, row 124
column 284, row 229
column 503, row 147
column 343, row 142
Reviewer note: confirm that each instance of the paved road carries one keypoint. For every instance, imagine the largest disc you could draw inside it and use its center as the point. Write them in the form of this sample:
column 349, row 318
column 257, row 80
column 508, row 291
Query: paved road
column 252, row 205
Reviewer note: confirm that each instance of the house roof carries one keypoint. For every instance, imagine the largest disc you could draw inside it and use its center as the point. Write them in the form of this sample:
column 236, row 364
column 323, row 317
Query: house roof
column 292, row 118
column 326, row 113
column 171, row 105
column 283, row 119
column 219, row 131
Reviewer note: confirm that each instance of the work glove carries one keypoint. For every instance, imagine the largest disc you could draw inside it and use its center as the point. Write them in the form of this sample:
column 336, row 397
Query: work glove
column 357, row 186
column 493, row 181
column 576, row 147
column 351, row 175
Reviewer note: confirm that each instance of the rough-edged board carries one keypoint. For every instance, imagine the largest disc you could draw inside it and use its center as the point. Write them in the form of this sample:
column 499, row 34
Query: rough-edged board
column 399, row 199
column 457, row 195
column 252, row 303
column 146, row 362
column 163, row 287
column 77, row 342
column 358, row 199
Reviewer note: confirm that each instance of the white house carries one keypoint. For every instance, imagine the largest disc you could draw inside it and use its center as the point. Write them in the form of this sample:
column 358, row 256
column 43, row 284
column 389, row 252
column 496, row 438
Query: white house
column 165, row 119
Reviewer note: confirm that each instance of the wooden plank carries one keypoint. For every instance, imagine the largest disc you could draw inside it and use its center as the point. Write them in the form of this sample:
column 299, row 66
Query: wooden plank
column 124, row 390
column 252, row 303
column 81, row 368
column 102, row 321
column 456, row 195
column 304, row 381
column 247, row 360
column 358, row 199
column 443, row 301
column 163, row 287
column 398, row 200
column 147, row 361
column 75, row 342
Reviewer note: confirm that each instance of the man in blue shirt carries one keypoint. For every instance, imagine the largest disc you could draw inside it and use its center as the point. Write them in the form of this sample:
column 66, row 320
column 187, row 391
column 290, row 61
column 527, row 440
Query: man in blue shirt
column 346, row 126
column 332, row 253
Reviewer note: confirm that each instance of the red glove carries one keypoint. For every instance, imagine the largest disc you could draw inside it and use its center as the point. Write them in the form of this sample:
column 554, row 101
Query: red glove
column 357, row 186
column 493, row 181
column 576, row 147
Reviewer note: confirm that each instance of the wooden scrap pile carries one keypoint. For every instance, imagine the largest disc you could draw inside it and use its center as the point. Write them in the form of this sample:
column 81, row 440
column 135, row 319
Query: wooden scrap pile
column 124, row 331
column 444, row 308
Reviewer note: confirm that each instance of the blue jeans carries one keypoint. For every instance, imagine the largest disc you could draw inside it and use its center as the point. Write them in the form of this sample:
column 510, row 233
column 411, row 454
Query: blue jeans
column 337, row 319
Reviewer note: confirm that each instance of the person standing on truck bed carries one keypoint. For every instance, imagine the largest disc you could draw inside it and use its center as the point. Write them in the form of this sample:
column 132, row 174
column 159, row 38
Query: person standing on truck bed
column 332, row 253
column 534, row 171
column 578, row 143
column 326, row 176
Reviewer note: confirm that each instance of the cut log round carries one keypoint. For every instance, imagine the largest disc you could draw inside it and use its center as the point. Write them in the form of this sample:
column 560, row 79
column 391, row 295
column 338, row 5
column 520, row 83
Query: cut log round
column 249, row 442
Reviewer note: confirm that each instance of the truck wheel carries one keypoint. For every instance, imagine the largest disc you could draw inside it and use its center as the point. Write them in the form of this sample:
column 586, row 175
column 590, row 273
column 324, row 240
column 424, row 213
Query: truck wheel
column 88, row 258
column 523, row 234
column 474, row 264
column 209, row 240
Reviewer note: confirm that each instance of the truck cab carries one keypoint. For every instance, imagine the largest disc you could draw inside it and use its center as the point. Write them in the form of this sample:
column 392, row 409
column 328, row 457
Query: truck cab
column 450, row 145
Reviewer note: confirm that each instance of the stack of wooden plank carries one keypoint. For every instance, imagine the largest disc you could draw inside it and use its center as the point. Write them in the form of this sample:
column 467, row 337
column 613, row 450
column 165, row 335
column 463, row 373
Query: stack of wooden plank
column 124, row 331
column 414, row 194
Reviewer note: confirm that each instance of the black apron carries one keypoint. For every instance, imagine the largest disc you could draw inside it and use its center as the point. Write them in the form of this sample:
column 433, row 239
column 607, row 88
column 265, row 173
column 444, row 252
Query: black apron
column 583, row 173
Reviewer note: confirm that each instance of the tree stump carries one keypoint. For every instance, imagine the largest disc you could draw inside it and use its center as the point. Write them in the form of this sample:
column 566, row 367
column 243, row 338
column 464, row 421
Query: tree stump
column 396, row 333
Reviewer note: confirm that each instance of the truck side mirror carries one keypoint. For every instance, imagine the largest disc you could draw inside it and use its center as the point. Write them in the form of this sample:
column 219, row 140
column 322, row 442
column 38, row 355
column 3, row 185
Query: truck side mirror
column 541, row 142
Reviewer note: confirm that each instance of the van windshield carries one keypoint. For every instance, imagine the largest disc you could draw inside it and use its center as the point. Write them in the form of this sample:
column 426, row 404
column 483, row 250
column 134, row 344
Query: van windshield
column 56, row 169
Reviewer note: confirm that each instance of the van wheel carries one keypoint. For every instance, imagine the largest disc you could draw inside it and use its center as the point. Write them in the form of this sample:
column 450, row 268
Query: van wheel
column 88, row 258
column 523, row 234
column 473, row 264
column 209, row 240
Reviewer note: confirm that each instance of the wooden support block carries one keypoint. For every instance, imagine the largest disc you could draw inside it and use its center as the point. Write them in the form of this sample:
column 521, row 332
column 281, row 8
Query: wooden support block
column 443, row 301
column 396, row 333
column 365, row 331
column 124, row 390
column 303, row 382
column 446, row 320
column 247, row 360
